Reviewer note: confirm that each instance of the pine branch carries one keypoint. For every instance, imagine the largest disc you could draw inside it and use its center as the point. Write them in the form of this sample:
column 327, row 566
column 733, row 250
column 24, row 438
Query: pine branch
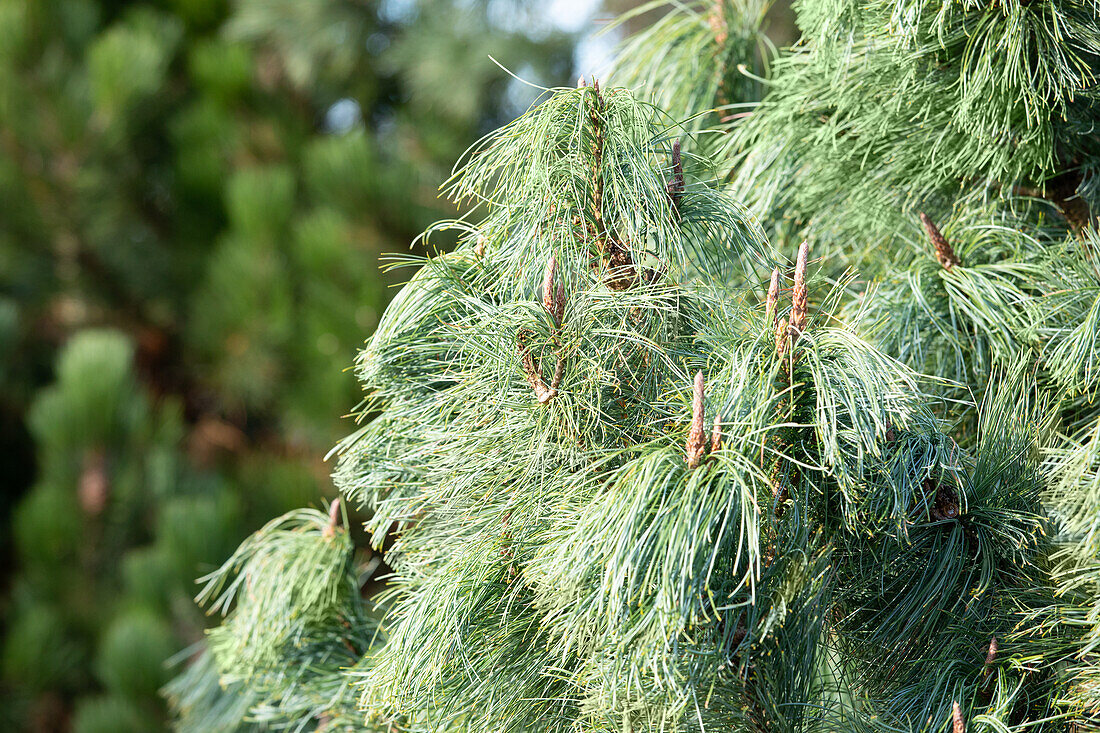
column 616, row 256
column 787, row 335
column 1063, row 190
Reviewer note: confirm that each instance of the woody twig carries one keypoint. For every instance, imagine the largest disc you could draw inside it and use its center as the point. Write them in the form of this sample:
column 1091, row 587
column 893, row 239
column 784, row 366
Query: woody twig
column 553, row 300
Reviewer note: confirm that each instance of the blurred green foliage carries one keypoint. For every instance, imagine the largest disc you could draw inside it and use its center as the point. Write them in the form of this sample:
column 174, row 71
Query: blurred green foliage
column 195, row 195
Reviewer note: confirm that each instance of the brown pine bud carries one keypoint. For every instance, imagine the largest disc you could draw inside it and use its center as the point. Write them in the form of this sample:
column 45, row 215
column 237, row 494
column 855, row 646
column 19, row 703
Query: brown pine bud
column 773, row 298
column 580, row 82
column 944, row 252
column 333, row 519
column 947, row 502
column 958, row 725
column 695, row 442
column 479, row 248
column 553, row 292
column 799, row 297
column 716, row 434
column 990, row 657
column 675, row 187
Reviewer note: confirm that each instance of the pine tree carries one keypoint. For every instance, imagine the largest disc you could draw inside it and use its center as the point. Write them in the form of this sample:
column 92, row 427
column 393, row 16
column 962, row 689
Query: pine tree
column 761, row 399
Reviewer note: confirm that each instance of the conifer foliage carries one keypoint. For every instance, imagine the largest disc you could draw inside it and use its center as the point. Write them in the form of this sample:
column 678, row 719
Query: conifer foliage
column 771, row 410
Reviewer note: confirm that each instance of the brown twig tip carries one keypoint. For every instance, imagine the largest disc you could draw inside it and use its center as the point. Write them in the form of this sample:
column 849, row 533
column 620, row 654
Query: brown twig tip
column 530, row 370
column 716, row 434
column 800, row 295
column 333, row 518
column 947, row 503
column 781, row 330
column 944, row 252
column 695, row 441
column 675, row 186
column 543, row 393
column 958, row 725
column 553, row 291
column 990, row 657
column 580, row 82
column 773, row 298
column 479, row 248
